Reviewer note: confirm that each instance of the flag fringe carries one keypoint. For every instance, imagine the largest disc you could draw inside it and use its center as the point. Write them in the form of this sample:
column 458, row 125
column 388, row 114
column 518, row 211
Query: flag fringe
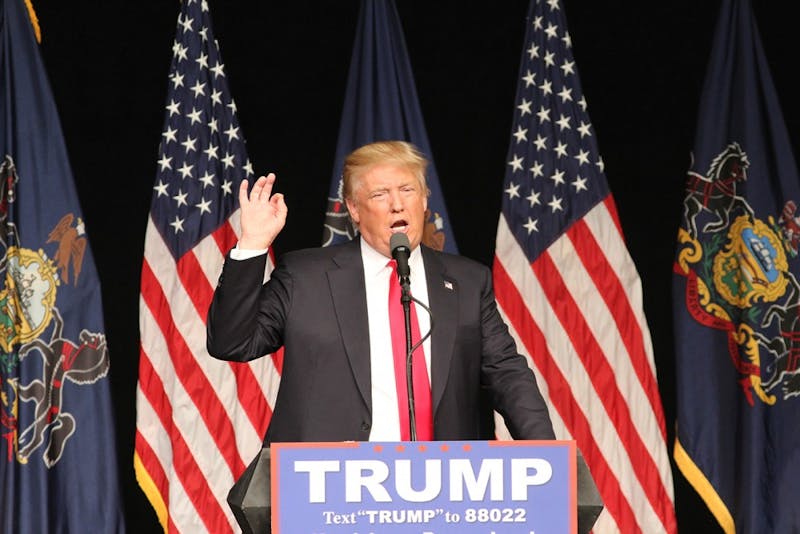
column 150, row 490
column 34, row 21
column 703, row 487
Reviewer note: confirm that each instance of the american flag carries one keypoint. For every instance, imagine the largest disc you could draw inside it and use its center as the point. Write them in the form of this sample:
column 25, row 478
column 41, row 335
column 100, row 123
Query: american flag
column 570, row 292
column 199, row 421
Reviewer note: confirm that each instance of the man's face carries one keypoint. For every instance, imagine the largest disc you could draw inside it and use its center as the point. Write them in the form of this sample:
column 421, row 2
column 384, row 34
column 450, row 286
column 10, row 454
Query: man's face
column 388, row 199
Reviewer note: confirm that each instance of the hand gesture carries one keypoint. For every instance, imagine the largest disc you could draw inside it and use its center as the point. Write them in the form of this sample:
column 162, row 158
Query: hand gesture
column 263, row 215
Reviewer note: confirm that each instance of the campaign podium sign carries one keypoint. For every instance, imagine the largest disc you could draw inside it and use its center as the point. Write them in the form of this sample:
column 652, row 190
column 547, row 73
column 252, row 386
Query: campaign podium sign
column 469, row 487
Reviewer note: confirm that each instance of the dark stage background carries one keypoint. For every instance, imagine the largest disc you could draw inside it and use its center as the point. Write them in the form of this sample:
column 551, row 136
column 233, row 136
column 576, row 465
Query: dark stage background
column 641, row 65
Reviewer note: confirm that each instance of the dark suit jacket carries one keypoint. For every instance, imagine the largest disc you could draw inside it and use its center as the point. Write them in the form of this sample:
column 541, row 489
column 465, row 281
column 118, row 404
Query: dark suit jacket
column 315, row 306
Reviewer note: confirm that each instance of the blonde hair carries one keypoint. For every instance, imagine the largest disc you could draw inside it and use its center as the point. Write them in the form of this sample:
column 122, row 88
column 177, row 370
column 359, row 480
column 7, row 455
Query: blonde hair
column 398, row 153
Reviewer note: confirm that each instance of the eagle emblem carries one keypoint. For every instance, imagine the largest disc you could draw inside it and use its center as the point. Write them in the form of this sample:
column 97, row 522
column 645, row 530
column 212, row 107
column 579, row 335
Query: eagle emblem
column 71, row 246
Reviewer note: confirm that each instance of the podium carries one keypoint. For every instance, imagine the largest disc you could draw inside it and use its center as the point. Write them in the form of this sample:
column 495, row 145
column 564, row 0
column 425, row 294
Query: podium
column 471, row 486
column 250, row 497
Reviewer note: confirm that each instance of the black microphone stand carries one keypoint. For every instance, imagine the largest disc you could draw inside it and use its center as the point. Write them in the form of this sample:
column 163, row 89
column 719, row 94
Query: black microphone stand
column 405, row 300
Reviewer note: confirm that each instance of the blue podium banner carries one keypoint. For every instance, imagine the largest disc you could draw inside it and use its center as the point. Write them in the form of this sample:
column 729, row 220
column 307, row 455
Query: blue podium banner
column 509, row 487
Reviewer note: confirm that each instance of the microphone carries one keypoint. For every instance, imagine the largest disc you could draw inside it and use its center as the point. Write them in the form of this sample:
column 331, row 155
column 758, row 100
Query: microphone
column 401, row 250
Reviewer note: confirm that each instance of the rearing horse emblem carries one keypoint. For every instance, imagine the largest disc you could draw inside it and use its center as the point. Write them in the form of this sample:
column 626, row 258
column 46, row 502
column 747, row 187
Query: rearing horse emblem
column 63, row 360
column 716, row 193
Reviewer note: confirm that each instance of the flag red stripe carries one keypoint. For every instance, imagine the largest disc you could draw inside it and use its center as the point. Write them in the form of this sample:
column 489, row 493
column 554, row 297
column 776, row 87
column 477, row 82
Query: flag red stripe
column 604, row 380
column 182, row 460
column 188, row 372
column 150, row 381
column 195, row 282
column 277, row 360
column 561, row 397
column 611, row 206
column 615, row 297
column 225, row 237
column 200, row 292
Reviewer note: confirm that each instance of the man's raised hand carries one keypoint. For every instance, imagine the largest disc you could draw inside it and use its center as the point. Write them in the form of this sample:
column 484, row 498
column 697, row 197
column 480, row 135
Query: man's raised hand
column 263, row 214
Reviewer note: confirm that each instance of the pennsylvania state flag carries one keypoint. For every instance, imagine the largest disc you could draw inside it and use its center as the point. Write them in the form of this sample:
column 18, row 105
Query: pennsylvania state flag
column 736, row 290
column 381, row 104
column 58, row 469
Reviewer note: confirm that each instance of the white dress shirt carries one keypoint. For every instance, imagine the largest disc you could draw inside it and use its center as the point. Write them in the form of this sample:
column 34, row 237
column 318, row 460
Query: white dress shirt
column 385, row 414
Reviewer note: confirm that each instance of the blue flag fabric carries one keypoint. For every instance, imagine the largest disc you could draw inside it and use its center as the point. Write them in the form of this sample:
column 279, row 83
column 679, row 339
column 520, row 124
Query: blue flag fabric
column 381, row 104
column 737, row 297
column 58, row 468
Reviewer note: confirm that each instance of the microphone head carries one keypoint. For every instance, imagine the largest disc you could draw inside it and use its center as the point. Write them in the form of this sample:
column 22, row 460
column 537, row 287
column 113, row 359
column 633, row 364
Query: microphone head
column 401, row 250
column 397, row 241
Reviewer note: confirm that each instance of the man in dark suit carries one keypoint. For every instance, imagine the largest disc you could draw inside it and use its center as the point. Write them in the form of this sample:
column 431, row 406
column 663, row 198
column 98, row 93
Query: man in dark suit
column 328, row 308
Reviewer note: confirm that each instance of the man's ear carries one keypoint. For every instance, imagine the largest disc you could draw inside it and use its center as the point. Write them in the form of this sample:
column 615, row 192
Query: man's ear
column 352, row 208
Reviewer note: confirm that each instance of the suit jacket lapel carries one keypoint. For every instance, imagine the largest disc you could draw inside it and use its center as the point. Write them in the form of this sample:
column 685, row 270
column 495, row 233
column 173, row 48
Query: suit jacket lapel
column 346, row 280
column 443, row 296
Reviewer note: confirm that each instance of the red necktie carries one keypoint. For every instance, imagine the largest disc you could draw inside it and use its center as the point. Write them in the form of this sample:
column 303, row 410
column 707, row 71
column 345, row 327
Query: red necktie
column 422, row 388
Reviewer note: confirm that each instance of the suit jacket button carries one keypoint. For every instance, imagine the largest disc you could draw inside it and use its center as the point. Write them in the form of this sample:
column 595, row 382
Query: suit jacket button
column 365, row 426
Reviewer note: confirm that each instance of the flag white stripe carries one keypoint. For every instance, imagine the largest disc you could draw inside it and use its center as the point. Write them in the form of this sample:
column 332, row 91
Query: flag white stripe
column 209, row 258
column 605, row 524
